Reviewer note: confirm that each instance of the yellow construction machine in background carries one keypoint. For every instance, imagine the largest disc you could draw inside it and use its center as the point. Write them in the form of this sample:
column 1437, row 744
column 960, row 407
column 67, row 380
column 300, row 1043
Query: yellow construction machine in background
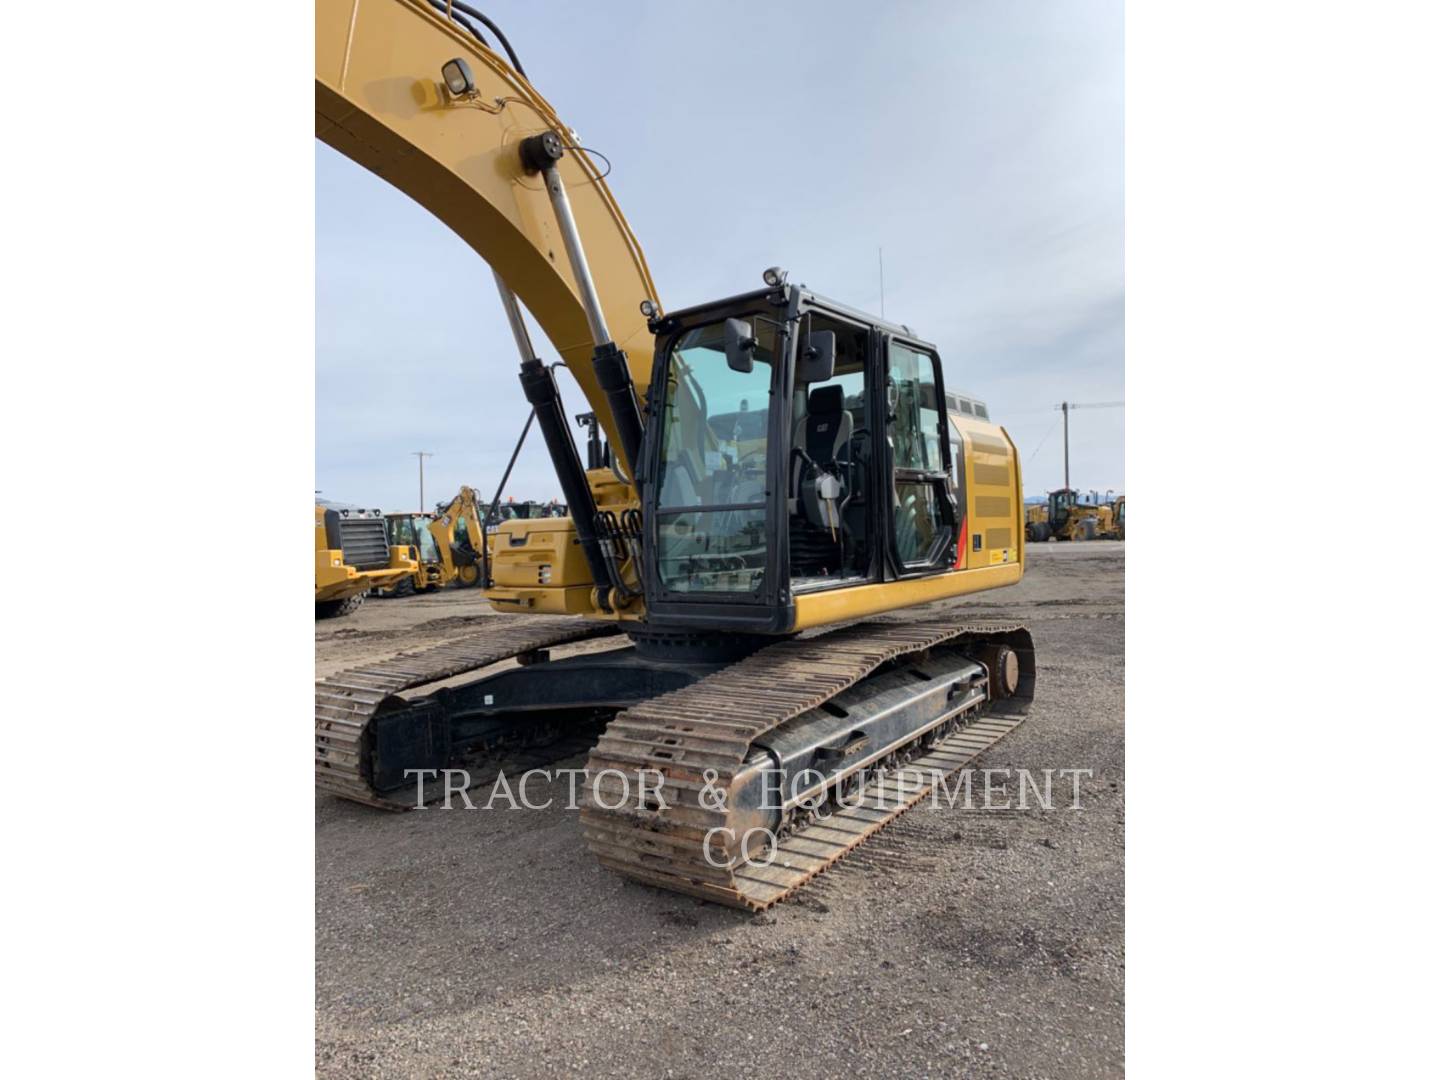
column 1037, row 523
column 414, row 530
column 455, row 529
column 353, row 556
column 1071, row 517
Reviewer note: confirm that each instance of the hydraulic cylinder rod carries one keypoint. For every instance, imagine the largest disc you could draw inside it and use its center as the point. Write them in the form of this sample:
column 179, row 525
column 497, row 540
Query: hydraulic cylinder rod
column 494, row 506
column 538, row 382
column 539, row 153
column 511, row 303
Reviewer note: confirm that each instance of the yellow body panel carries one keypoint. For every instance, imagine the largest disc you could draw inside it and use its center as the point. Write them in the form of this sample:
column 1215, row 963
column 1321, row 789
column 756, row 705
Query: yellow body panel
column 993, row 501
column 351, row 581
column 994, row 514
column 545, row 551
column 859, row 601
column 524, row 551
column 545, row 601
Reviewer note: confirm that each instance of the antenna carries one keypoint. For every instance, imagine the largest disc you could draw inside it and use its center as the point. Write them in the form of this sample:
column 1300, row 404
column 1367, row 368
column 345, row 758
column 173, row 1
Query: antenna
column 882, row 282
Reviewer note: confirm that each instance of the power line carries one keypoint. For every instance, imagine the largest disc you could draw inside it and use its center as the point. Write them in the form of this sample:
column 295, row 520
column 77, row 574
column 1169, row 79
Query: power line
column 1042, row 440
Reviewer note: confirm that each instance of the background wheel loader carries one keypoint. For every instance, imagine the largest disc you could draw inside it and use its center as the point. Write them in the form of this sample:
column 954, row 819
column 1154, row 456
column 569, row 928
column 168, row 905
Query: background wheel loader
column 352, row 556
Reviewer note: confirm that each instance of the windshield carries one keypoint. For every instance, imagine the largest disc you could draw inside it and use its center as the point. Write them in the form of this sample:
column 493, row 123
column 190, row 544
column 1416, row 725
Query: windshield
column 429, row 550
column 713, row 455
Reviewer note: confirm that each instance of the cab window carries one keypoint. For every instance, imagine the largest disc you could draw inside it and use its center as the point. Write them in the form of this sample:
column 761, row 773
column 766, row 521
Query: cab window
column 924, row 526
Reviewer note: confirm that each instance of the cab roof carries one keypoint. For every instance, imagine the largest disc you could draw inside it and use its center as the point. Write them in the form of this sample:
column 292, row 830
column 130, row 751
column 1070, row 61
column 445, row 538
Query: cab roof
column 784, row 296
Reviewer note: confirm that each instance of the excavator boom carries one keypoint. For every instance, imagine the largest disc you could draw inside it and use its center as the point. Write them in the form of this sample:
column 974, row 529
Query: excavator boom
column 381, row 100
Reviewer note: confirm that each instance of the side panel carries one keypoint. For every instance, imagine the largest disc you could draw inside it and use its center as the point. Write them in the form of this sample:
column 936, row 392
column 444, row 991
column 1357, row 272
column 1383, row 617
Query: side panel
column 995, row 511
column 839, row 605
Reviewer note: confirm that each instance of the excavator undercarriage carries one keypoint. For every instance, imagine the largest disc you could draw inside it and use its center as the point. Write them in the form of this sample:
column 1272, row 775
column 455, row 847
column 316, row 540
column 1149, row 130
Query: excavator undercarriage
column 732, row 780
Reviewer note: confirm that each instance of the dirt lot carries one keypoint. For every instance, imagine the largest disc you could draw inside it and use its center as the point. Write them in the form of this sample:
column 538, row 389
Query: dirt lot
column 982, row 943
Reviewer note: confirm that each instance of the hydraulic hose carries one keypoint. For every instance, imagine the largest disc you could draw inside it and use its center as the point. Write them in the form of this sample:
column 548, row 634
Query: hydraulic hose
column 455, row 5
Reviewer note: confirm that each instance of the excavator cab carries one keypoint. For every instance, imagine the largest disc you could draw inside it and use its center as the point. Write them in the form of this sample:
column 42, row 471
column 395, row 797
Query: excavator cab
column 796, row 446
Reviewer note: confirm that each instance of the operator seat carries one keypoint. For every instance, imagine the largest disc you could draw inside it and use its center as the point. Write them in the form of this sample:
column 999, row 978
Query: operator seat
column 824, row 431
column 818, row 480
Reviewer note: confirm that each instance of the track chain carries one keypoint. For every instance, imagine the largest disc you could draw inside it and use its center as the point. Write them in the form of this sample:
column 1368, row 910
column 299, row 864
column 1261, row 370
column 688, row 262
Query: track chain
column 347, row 702
column 711, row 725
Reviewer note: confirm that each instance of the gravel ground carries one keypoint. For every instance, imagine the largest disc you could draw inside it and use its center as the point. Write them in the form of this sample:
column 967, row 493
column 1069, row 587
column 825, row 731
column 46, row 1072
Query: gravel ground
column 982, row 943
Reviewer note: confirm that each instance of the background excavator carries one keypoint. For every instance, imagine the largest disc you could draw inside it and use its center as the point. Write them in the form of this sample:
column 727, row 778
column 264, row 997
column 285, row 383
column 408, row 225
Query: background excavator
column 785, row 491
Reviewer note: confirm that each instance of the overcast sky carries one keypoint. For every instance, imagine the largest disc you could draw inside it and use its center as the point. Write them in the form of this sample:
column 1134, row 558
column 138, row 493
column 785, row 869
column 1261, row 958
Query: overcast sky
column 980, row 143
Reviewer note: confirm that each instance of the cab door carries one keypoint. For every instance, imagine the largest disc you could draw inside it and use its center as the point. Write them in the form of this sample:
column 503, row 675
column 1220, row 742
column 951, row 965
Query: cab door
column 922, row 502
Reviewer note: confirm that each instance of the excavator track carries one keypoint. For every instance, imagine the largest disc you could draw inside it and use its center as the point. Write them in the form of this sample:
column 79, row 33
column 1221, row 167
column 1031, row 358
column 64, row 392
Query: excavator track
column 698, row 739
column 346, row 703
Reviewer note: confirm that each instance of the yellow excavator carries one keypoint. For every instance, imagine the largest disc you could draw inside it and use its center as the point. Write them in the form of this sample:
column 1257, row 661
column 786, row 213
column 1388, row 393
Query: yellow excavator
column 785, row 493
column 352, row 556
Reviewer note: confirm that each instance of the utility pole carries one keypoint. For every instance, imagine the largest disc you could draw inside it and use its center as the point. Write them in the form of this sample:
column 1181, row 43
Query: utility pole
column 422, row 455
column 1064, row 412
column 1065, row 407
